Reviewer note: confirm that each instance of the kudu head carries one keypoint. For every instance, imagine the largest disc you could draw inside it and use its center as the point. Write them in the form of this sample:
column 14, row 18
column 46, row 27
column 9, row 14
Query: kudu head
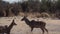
column 24, row 18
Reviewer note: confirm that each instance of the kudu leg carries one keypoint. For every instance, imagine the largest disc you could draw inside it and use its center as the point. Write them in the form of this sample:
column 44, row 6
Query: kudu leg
column 46, row 30
column 42, row 30
column 31, row 29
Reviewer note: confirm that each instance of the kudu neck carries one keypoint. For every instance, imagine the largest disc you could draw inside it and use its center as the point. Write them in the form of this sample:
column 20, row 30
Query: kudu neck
column 10, row 26
column 27, row 21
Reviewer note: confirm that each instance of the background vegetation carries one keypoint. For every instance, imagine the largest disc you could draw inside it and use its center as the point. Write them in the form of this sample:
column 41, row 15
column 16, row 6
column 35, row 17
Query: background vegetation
column 48, row 7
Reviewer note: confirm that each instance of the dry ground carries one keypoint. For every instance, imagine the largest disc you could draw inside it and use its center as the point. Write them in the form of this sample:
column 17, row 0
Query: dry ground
column 22, row 28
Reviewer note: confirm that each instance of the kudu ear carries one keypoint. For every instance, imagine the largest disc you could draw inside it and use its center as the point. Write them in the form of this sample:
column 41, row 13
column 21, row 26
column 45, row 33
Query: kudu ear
column 13, row 20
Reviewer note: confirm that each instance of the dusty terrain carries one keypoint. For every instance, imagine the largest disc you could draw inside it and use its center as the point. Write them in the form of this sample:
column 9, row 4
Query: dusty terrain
column 22, row 28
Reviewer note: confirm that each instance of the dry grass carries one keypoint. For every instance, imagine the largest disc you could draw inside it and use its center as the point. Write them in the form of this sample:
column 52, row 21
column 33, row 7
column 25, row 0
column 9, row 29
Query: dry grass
column 22, row 28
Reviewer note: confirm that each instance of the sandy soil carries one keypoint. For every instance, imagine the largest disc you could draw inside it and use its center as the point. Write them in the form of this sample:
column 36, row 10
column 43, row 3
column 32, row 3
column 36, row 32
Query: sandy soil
column 22, row 28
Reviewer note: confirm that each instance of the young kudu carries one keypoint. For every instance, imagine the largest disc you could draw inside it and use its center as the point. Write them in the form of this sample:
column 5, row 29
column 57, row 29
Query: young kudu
column 35, row 24
column 8, row 29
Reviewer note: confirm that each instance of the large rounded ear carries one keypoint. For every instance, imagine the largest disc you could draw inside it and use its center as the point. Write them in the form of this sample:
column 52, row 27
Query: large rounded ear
column 13, row 20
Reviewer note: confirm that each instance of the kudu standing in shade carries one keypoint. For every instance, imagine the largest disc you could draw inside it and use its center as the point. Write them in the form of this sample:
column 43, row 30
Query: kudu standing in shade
column 8, row 29
column 35, row 24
